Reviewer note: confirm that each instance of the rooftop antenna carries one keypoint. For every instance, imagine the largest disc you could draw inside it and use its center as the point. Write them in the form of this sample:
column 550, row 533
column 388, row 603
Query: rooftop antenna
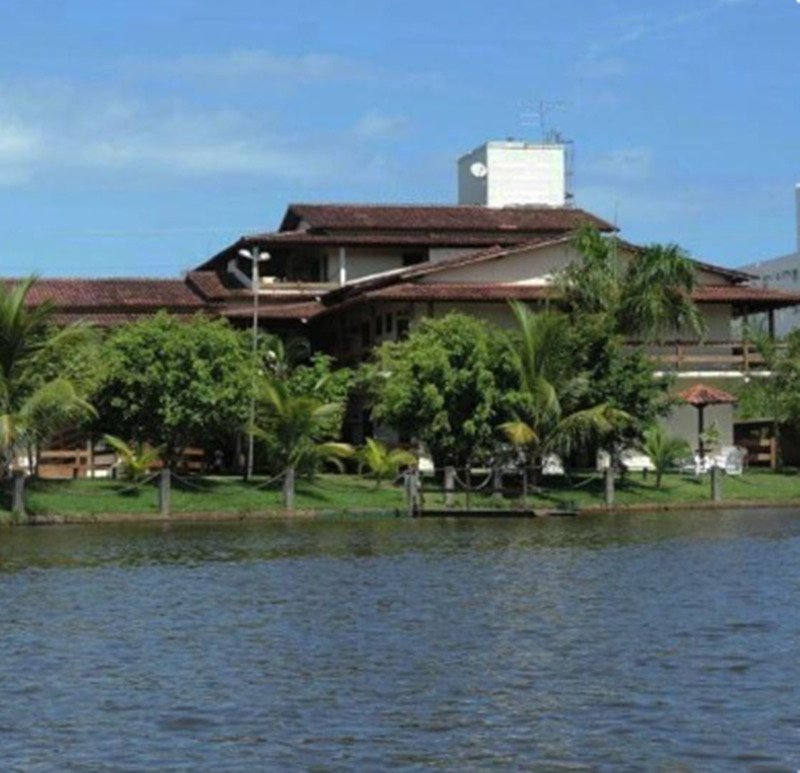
column 536, row 113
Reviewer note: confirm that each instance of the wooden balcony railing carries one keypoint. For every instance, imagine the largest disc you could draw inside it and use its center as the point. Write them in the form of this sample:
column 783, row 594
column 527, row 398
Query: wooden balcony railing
column 740, row 356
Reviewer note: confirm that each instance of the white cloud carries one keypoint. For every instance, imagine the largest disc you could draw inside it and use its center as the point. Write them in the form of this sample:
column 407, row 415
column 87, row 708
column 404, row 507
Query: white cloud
column 602, row 68
column 380, row 126
column 635, row 29
column 633, row 163
column 256, row 63
column 60, row 128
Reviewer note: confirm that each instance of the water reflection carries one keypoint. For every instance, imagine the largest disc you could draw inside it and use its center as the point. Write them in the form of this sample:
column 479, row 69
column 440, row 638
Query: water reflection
column 619, row 643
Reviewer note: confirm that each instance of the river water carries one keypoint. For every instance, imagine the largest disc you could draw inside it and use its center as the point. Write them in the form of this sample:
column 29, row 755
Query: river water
column 649, row 642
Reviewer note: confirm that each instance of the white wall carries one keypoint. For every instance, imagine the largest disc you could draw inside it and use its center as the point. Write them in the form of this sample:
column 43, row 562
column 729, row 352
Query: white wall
column 782, row 273
column 364, row 261
column 683, row 422
column 518, row 173
column 534, row 266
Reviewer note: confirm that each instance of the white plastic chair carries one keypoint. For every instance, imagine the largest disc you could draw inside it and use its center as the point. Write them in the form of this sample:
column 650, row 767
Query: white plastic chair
column 552, row 465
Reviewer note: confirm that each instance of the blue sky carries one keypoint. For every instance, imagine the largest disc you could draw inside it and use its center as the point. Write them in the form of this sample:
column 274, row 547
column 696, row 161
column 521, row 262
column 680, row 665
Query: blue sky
column 139, row 137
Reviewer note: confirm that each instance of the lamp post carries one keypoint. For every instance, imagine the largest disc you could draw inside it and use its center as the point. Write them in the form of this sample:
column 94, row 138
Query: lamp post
column 255, row 255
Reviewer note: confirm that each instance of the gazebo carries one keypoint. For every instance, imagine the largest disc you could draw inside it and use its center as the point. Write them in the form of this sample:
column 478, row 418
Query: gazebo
column 700, row 395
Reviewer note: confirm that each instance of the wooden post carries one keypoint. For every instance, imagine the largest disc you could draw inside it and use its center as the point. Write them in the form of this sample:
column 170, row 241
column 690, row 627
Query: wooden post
column 164, row 491
column 288, row 489
column 716, row 484
column 18, row 494
column 449, row 485
column 468, row 490
column 609, row 485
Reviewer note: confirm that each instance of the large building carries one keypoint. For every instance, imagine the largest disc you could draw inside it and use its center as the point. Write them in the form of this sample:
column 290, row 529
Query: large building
column 782, row 273
column 350, row 276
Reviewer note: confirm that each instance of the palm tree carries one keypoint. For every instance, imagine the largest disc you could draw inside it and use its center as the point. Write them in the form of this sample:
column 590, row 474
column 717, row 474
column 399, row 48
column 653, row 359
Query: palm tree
column 664, row 450
column 136, row 460
column 298, row 425
column 656, row 297
column 549, row 383
column 649, row 295
column 33, row 406
column 382, row 461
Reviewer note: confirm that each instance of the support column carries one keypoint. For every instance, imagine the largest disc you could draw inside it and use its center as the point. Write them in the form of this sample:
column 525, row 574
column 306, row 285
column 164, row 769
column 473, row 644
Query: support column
column 342, row 266
column 608, row 493
column 716, row 484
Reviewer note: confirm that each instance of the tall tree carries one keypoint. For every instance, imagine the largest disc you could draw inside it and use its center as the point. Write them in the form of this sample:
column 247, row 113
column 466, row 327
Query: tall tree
column 550, row 419
column 448, row 385
column 298, row 426
column 170, row 382
column 648, row 294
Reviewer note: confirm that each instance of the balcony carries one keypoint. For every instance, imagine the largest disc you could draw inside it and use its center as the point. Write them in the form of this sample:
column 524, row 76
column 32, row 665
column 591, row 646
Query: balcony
column 707, row 357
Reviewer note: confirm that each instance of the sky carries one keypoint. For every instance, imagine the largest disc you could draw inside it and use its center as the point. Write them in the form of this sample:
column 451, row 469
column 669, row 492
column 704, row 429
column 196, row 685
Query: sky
column 139, row 138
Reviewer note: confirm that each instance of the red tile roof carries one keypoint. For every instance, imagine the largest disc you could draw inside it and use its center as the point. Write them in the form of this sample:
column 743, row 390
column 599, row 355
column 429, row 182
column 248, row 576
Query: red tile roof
column 702, row 395
column 460, row 292
column 277, row 311
column 437, row 217
column 756, row 297
column 96, row 294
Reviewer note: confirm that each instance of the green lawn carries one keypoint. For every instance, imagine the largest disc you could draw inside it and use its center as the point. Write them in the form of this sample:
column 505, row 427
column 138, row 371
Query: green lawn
column 753, row 486
column 206, row 495
column 350, row 493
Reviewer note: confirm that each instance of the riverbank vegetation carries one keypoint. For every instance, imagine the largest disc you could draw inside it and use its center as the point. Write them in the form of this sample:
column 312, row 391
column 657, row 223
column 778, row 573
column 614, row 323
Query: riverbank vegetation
column 329, row 494
column 561, row 380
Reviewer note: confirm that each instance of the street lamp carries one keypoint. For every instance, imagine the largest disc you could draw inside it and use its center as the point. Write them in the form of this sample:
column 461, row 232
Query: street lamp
column 255, row 255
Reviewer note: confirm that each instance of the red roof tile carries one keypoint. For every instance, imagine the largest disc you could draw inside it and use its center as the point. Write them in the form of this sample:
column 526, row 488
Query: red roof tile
column 298, row 311
column 702, row 395
column 745, row 294
column 437, row 217
column 460, row 292
column 96, row 294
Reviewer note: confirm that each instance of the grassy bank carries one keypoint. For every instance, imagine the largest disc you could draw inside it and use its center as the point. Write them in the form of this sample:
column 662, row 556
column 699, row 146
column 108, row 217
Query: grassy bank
column 94, row 499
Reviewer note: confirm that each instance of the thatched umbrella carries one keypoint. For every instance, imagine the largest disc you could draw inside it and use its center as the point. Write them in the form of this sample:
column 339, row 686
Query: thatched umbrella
column 700, row 396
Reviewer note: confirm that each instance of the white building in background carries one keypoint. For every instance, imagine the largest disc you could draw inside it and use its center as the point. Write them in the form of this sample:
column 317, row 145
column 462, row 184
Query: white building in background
column 782, row 273
column 512, row 173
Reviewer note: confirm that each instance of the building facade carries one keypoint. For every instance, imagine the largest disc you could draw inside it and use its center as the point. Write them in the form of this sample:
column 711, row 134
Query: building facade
column 782, row 273
column 349, row 277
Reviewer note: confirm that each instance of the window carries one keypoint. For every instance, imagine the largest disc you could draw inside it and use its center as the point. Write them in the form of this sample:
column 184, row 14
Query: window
column 402, row 328
column 379, row 326
column 366, row 338
column 389, row 323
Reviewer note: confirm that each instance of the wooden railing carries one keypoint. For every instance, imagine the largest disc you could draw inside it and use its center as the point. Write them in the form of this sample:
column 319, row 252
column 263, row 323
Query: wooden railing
column 742, row 356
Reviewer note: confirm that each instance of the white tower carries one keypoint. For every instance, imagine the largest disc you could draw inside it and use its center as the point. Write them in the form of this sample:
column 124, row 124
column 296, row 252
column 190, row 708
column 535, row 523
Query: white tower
column 509, row 173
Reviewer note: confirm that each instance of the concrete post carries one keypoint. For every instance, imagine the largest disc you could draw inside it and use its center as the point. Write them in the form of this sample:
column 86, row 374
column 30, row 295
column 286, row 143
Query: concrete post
column 449, row 486
column 609, row 486
column 497, row 483
column 412, row 491
column 716, row 484
column 288, row 489
column 18, row 494
column 164, row 491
